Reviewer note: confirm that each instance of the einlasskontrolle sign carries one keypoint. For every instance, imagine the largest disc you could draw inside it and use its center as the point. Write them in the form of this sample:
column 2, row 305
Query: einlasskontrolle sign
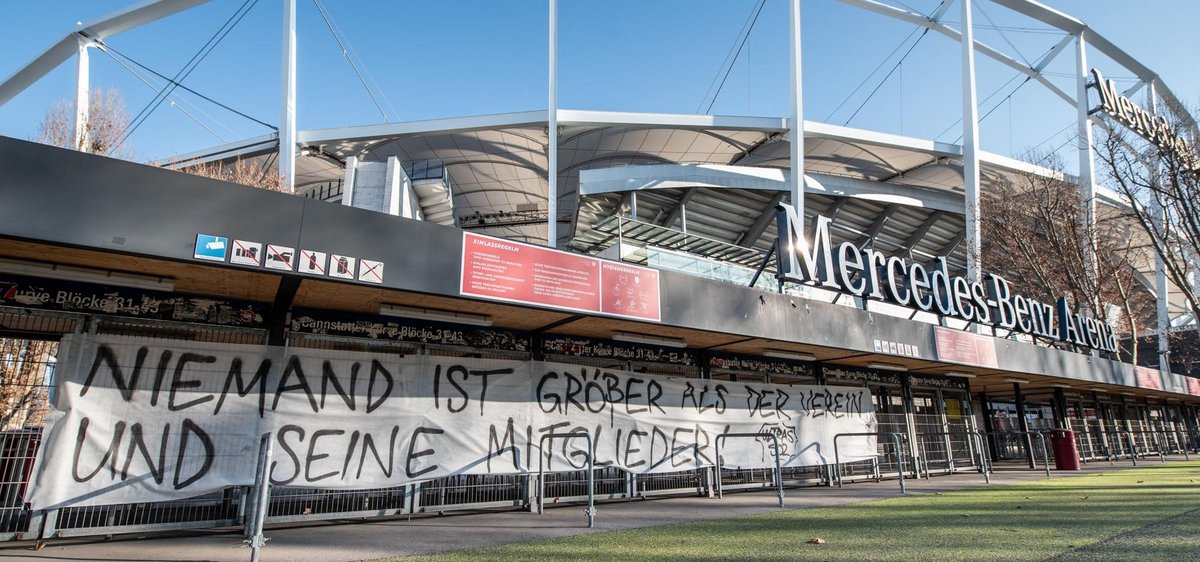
column 868, row 273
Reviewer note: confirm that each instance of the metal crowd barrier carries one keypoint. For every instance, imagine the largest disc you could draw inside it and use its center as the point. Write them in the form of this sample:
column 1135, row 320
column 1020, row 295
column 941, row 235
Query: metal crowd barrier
column 238, row 506
column 976, row 438
column 1158, row 443
column 1041, row 439
column 591, row 501
column 778, row 467
column 896, row 440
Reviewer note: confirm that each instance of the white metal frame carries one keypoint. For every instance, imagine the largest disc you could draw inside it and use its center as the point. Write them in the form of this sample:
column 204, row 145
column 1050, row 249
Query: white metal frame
column 77, row 42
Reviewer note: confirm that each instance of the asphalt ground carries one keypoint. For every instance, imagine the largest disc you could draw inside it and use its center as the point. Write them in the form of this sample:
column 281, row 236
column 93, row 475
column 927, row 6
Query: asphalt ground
column 387, row 538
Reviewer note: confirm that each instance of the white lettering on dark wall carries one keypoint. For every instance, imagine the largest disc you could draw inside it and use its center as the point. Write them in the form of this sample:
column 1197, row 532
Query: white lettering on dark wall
column 1152, row 127
column 867, row 273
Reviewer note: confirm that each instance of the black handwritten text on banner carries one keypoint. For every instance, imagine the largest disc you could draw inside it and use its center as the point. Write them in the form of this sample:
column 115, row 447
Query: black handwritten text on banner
column 149, row 420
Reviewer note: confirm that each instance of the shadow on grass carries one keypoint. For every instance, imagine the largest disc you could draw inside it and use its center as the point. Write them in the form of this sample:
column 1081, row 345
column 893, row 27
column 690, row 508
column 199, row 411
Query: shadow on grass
column 1172, row 539
column 1030, row 521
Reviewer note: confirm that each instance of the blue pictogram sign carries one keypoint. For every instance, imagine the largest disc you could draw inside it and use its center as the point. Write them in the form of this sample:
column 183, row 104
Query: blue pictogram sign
column 211, row 247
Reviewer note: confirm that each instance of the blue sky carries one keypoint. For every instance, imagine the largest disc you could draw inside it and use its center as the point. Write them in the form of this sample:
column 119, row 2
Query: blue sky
column 452, row 58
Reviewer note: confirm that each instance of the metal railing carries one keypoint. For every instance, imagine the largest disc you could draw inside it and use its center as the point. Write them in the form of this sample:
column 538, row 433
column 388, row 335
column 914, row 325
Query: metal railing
column 1133, row 450
column 591, row 499
column 465, row 491
column 896, row 440
column 1041, row 439
column 976, row 438
column 774, row 449
column 18, row 448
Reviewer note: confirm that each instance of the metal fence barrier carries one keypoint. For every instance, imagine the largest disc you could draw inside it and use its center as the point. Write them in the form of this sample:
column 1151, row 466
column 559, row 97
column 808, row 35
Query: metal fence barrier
column 977, row 439
column 235, row 506
column 1158, row 443
column 896, row 440
column 1041, row 439
column 591, row 501
column 18, row 448
column 775, row 450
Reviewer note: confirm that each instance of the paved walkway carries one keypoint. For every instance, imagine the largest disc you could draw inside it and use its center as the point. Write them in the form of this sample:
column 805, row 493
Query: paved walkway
column 372, row 539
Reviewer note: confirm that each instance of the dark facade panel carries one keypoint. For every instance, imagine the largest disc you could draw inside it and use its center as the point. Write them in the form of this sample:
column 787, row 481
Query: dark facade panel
column 417, row 256
column 699, row 303
column 65, row 197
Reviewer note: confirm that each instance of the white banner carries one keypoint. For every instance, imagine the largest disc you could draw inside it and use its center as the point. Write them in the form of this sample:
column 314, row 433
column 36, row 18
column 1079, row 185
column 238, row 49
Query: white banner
column 151, row 420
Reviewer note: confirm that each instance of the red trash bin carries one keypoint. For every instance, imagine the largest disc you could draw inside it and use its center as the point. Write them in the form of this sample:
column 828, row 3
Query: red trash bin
column 1066, row 454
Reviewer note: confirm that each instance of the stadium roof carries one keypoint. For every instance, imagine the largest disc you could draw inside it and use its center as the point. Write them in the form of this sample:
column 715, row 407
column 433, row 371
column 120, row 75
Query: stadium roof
column 722, row 175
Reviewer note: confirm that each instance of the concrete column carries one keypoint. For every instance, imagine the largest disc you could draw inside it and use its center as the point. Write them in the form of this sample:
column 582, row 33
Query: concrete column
column 348, row 182
column 1060, row 409
column 392, row 187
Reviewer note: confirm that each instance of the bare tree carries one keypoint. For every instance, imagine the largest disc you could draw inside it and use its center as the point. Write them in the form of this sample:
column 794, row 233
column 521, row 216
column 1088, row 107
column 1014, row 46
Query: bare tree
column 107, row 122
column 243, row 172
column 24, row 390
column 1035, row 231
column 1161, row 181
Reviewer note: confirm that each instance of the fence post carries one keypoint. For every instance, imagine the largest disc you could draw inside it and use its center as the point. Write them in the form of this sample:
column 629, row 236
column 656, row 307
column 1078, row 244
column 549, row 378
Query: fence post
column 34, row 528
column 262, row 483
column 1132, row 447
column 49, row 524
column 983, row 457
column 1045, row 453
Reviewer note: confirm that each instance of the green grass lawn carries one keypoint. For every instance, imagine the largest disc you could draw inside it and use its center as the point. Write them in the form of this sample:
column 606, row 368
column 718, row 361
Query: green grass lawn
column 1146, row 513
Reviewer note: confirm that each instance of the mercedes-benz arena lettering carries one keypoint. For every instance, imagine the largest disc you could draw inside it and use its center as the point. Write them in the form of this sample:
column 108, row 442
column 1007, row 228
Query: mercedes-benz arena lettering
column 1155, row 128
column 864, row 272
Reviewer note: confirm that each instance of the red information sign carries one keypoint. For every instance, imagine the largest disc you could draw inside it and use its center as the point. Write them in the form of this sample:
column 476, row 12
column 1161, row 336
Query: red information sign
column 1148, row 378
column 494, row 268
column 965, row 347
column 1193, row 386
column 628, row 290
